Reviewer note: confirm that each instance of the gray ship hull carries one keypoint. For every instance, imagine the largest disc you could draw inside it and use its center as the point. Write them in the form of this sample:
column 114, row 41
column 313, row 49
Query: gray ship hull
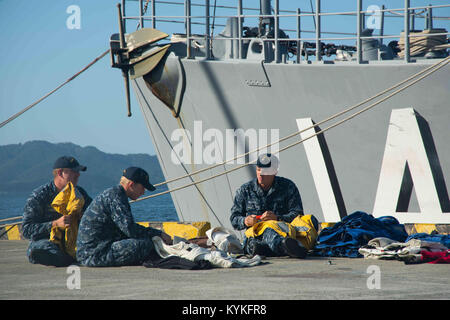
column 354, row 166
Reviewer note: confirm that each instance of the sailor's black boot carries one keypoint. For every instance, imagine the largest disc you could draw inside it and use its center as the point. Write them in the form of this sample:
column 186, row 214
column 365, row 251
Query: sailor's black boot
column 254, row 247
column 294, row 248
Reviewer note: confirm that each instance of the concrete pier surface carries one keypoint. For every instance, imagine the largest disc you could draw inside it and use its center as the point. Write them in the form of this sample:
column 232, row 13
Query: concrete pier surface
column 278, row 279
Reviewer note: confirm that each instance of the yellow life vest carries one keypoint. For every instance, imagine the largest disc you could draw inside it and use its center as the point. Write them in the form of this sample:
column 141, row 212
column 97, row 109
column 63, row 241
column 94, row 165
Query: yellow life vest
column 301, row 228
column 68, row 202
column 306, row 233
column 282, row 228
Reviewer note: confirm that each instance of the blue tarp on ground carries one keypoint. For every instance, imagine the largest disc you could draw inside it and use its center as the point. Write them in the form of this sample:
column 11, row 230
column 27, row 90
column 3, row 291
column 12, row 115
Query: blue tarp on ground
column 355, row 230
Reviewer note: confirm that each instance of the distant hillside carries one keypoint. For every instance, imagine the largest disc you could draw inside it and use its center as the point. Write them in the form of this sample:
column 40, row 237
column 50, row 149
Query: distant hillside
column 23, row 167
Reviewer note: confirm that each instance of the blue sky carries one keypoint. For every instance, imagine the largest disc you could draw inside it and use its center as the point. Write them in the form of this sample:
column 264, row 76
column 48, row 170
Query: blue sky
column 39, row 52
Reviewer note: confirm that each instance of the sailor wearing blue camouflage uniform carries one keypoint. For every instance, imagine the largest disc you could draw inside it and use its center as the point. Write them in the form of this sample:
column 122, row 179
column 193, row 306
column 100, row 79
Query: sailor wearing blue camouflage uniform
column 39, row 217
column 268, row 197
column 108, row 235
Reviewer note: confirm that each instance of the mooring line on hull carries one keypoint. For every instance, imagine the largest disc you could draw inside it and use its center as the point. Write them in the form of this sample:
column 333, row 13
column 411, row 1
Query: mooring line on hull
column 422, row 74
column 436, row 65
column 54, row 90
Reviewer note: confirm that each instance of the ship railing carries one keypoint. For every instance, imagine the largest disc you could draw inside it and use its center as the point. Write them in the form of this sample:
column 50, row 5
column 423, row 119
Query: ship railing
column 407, row 13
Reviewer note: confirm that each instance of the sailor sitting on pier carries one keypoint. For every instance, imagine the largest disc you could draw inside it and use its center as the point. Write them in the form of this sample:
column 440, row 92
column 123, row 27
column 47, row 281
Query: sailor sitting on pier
column 108, row 235
column 262, row 205
column 40, row 219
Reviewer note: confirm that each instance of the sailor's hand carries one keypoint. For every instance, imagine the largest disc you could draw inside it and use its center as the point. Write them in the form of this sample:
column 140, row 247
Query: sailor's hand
column 166, row 238
column 62, row 222
column 269, row 215
column 250, row 220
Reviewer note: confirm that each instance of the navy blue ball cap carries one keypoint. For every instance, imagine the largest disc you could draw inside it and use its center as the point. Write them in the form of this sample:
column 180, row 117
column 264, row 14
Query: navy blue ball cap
column 66, row 162
column 138, row 175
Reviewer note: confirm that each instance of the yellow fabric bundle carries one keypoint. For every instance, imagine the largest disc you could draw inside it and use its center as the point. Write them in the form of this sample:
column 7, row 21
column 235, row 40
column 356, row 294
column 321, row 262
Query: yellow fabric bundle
column 306, row 233
column 68, row 202
column 301, row 228
column 282, row 228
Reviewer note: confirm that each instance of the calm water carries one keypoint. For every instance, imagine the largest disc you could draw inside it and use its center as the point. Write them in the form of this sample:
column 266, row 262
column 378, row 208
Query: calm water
column 155, row 209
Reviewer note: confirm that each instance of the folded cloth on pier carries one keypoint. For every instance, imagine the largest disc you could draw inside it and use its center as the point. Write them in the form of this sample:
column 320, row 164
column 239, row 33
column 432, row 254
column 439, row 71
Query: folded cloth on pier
column 193, row 252
column 354, row 231
column 384, row 248
column 224, row 240
column 174, row 262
